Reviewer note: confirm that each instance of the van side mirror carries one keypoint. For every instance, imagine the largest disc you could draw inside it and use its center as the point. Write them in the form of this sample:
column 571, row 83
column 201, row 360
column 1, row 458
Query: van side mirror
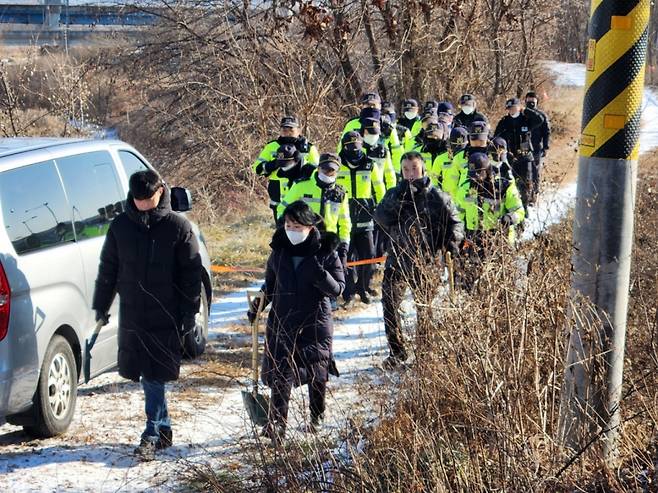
column 181, row 199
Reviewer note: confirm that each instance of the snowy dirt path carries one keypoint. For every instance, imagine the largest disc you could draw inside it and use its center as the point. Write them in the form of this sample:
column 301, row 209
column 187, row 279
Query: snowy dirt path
column 209, row 420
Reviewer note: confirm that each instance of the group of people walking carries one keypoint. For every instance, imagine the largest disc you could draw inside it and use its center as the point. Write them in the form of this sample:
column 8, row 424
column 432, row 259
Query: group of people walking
column 415, row 187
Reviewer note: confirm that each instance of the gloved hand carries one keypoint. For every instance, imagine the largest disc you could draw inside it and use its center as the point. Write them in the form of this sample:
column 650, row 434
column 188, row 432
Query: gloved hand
column 270, row 166
column 334, row 194
column 377, row 152
column 303, row 145
column 105, row 317
column 507, row 220
column 188, row 325
column 253, row 309
column 342, row 250
column 387, row 128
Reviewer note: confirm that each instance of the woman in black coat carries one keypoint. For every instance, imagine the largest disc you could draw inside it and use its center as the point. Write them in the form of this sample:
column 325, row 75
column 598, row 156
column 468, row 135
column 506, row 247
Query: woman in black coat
column 303, row 273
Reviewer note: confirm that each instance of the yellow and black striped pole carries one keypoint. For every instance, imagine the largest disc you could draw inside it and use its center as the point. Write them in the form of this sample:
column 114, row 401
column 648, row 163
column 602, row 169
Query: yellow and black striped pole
column 603, row 225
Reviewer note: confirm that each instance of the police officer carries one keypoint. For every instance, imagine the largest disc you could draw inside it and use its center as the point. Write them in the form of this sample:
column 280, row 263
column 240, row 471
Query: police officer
column 362, row 179
column 468, row 112
column 390, row 123
column 499, row 158
column 422, row 222
column 434, row 150
column 541, row 139
column 455, row 173
column 369, row 100
column 488, row 203
column 409, row 113
column 445, row 113
column 326, row 198
column 516, row 128
column 430, row 109
column 283, row 168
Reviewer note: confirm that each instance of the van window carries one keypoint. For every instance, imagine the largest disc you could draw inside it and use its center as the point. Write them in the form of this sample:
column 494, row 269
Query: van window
column 131, row 163
column 36, row 214
column 93, row 191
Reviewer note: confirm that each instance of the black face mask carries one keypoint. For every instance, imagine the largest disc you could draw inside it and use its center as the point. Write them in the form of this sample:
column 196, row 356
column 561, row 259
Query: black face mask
column 531, row 104
column 287, row 140
column 353, row 154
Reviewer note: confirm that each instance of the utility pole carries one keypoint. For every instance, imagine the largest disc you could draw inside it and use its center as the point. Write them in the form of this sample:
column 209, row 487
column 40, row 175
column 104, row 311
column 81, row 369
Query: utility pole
column 603, row 225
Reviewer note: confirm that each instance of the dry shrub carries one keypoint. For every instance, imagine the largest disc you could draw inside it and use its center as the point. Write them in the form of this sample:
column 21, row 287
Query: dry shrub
column 479, row 411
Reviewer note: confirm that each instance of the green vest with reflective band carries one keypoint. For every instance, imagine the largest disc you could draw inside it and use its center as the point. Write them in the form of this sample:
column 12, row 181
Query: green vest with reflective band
column 270, row 151
column 452, row 173
column 417, row 127
column 387, row 171
column 268, row 154
column 434, row 166
column 365, row 189
column 336, row 215
column 408, row 143
column 483, row 214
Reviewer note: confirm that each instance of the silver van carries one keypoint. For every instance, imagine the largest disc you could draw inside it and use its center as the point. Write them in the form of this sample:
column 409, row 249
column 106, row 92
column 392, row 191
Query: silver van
column 57, row 199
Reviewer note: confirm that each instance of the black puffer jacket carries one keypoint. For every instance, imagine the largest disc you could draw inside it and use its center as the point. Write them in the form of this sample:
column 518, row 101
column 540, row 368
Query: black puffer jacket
column 420, row 224
column 151, row 260
column 298, row 343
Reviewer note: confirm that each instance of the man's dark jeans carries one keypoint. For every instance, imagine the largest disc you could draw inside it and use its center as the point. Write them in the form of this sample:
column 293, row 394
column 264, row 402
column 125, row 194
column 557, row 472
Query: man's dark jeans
column 155, row 406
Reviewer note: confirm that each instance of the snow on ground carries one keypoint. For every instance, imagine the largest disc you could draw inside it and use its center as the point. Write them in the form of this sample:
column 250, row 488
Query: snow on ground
column 209, row 420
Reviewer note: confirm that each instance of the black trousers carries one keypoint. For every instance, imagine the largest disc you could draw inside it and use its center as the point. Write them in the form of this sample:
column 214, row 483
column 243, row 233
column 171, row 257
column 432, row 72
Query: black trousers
column 362, row 246
column 280, row 399
column 537, row 167
column 423, row 287
column 522, row 168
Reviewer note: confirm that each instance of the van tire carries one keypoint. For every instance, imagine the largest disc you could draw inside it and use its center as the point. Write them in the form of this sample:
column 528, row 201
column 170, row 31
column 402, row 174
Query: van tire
column 58, row 367
column 195, row 342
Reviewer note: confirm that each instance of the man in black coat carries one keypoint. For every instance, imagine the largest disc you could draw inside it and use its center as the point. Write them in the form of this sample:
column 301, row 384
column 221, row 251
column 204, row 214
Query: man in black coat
column 421, row 222
column 516, row 128
column 467, row 113
column 151, row 259
column 541, row 139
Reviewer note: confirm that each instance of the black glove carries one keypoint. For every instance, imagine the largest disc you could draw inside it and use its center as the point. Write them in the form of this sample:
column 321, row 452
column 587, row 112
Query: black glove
column 342, row 250
column 253, row 310
column 270, row 166
column 105, row 317
column 188, row 325
column 387, row 128
column 334, row 194
column 377, row 152
column 303, row 145
column 507, row 220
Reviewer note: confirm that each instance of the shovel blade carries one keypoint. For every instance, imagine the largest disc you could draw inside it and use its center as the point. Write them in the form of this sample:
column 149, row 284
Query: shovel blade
column 257, row 406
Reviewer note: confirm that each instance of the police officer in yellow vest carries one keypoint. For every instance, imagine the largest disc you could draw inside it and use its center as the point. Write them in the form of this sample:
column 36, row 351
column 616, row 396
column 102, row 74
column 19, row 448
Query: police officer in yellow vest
column 370, row 100
column 283, row 168
column 456, row 173
column 389, row 124
column 360, row 176
column 375, row 145
column 430, row 109
column 434, row 150
column 326, row 198
column 488, row 203
column 410, row 114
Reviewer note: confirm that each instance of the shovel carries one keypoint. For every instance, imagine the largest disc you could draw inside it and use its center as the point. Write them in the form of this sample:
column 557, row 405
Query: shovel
column 257, row 405
column 89, row 344
column 451, row 276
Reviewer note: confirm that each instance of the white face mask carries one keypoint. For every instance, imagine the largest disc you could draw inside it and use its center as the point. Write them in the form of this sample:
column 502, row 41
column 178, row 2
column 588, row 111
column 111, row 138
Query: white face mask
column 468, row 109
column 296, row 237
column 410, row 115
column 326, row 179
column 515, row 114
column 371, row 139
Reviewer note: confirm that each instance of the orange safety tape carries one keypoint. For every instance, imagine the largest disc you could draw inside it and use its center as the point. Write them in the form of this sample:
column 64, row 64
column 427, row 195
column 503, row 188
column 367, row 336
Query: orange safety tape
column 223, row 269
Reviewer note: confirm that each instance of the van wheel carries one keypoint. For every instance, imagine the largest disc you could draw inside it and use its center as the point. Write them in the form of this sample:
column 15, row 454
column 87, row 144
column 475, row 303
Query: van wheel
column 195, row 341
column 54, row 400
